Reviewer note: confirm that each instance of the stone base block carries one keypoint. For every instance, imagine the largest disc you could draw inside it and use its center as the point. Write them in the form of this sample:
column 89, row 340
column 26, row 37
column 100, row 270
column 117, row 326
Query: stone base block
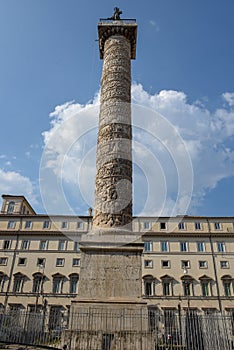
column 77, row 340
column 110, row 272
column 109, row 324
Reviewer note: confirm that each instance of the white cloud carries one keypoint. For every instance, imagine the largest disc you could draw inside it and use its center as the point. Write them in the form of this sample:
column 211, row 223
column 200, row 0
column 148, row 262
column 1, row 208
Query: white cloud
column 154, row 24
column 69, row 153
column 229, row 98
column 14, row 183
column 204, row 133
column 71, row 136
column 28, row 154
column 8, row 163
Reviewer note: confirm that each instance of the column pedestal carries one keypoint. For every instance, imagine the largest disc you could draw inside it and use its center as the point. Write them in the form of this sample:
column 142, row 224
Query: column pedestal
column 109, row 308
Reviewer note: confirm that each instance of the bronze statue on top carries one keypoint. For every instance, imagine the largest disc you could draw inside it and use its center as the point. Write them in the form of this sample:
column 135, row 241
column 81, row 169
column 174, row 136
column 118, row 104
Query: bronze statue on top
column 116, row 15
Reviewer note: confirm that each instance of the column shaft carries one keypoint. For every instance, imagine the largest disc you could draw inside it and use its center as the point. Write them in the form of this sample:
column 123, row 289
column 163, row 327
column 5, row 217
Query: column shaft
column 113, row 187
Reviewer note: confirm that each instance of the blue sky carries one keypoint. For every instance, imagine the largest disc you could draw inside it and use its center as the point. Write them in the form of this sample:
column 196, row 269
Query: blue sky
column 49, row 56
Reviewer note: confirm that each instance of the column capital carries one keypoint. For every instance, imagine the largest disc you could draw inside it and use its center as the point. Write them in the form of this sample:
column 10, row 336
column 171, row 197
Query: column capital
column 108, row 28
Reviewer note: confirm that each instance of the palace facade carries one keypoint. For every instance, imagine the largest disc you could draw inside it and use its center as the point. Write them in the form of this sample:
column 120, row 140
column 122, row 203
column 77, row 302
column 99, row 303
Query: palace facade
column 188, row 261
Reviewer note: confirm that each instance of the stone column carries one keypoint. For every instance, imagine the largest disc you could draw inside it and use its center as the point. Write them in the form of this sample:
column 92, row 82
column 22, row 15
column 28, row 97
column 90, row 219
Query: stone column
column 113, row 190
column 110, row 272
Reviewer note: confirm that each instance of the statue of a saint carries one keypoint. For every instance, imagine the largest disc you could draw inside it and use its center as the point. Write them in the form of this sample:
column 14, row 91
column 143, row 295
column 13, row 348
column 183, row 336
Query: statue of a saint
column 116, row 15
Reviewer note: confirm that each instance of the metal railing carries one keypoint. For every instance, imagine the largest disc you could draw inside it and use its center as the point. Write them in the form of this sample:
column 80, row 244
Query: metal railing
column 32, row 328
column 95, row 329
column 124, row 20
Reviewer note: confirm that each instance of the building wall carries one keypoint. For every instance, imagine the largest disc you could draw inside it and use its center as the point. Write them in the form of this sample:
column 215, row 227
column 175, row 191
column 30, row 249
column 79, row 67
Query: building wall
column 162, row 262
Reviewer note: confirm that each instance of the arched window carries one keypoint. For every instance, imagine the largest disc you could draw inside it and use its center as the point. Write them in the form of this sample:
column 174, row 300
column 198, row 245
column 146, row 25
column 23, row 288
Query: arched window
column 38, row 281
column 3, row 278
column 149, row 285
column 206, row 287
column 58, row 281
column 18, row 284
column 227, row 285
column 74, row 278
column 167, row 285
column 188, row 285
column 11, row 207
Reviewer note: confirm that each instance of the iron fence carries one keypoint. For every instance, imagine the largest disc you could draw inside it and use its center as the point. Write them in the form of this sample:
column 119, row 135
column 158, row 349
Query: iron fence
column 32, row 328
column 110, row 330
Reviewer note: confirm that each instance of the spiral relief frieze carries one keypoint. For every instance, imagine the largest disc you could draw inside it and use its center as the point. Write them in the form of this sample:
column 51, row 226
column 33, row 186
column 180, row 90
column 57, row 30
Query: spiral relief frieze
column 113, row 188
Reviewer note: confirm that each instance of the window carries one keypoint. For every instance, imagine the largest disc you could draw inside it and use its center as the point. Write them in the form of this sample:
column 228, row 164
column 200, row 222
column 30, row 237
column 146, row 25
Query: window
column 224, row 264
column 209, row 310
column 38, row 281
column 46, row 224
column 181, row 226
column 80, row 225
column 164, row 246
column 11, row 224
column 198, row 226
column 185, row 264
column 205, row 288
column 22, row 261
column 167, row 283
column 152, row 318
column 217, row 226
column 73, row 283
column 148, row 288
column 146, row 225
column 183, row 246
column 76, row 262
column 221, row 247
column 227, row 288
column 43, row 245
column 187, row 286
column 200, row 247
column 14, row 308
column 203, row 264
column 18, row 283
column 148, row 263
column 28, row 224
column 149, row 285
column 2, row 281
column 163, row 226
column 165, row 264
column 231, row 315
column 64, row 225
column 41, row 262
column 3, row 261
column 11, row 207
column 170, row 325
column 227, row 285
column 166, row 288
column 58, row 283
column 25, row 244
column 76, row 246
column 62, row 245
column 7, row 244
column 55, row 318
column 60, row 262
column 148, row 246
